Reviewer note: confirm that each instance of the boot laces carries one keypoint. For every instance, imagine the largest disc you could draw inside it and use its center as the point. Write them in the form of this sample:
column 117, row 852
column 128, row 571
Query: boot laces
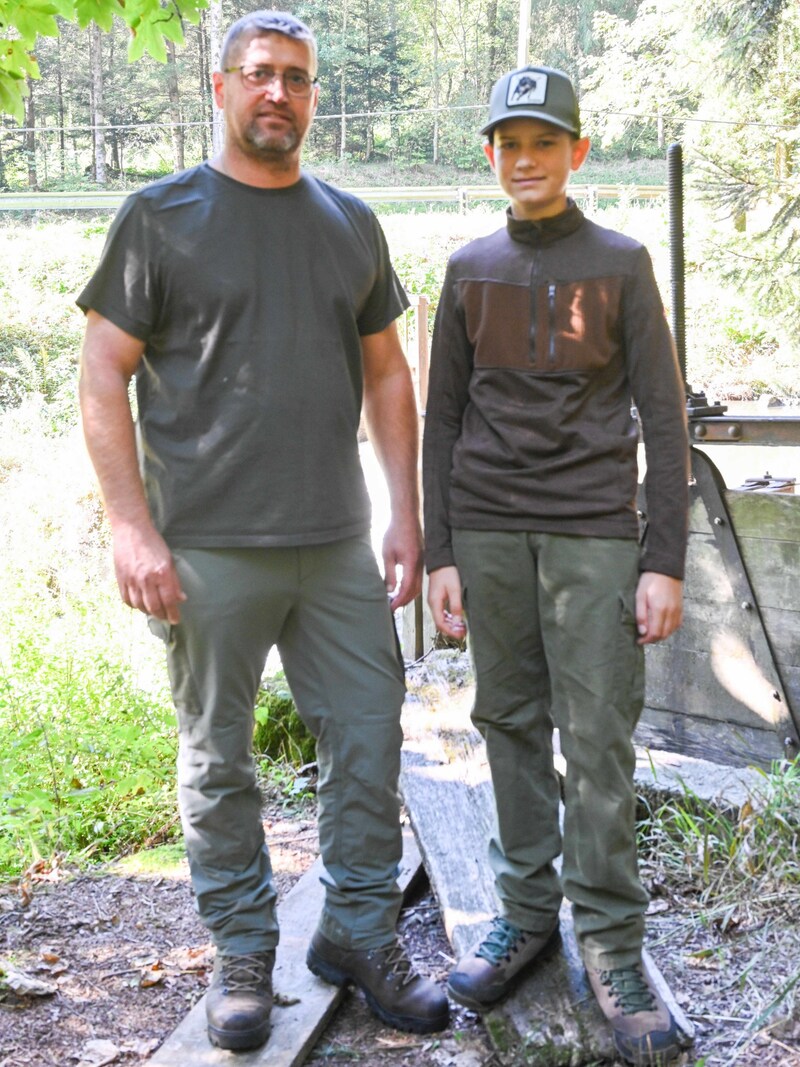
column 500, row 942
column 629, row 989
column 397, row 963
column 245, row 974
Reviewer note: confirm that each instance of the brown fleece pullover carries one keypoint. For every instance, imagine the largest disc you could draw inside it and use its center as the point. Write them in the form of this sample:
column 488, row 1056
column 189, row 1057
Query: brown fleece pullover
column 546, row 334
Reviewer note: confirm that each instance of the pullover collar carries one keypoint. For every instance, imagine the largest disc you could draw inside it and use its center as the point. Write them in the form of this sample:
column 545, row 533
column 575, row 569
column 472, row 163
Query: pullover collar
column 545, row 231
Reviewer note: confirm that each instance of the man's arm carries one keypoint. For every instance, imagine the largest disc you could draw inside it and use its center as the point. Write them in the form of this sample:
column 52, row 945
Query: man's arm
column 145, row 570
column 391, row 415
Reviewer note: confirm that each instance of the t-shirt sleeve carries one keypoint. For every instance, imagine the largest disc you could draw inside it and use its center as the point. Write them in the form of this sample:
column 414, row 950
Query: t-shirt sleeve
column 387, row 298
column 124, row 286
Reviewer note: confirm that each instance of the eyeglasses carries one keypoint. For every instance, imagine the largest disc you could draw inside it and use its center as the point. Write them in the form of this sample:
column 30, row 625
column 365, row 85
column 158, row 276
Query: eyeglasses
column 257, row 79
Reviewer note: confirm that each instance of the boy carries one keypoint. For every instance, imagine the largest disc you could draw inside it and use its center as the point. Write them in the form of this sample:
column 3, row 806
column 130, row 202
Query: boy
column 547, row 331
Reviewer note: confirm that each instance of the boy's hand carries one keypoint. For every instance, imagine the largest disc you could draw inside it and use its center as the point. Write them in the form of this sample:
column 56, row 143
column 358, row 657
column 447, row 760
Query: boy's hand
column 444, row 600
column 659, row 606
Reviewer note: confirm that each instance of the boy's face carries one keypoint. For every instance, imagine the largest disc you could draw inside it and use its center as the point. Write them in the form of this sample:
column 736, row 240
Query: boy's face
column 533, row 161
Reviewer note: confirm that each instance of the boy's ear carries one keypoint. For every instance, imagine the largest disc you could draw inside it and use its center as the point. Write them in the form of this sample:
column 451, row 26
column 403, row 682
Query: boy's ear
column 580, row 150
column 488, row 151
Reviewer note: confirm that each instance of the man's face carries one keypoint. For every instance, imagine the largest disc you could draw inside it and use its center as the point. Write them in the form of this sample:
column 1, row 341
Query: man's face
column 267, row 124
column 533, row 161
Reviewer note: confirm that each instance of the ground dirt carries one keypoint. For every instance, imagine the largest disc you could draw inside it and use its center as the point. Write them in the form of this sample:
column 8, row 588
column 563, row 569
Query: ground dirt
column 120, row 957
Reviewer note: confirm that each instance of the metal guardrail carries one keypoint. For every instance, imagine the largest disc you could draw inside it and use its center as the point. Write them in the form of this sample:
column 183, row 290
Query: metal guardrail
column 460, row 195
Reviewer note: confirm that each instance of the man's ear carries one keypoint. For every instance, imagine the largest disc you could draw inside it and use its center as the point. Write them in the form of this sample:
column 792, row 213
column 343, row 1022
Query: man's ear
column 488, row 151
column 219, row 88
column 580, row 150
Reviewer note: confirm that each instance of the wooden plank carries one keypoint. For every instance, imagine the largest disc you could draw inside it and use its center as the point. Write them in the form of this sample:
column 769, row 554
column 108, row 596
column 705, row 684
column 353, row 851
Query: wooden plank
column 305, row 1003
column 738, row 746
column 765, row 515
column 445, row 781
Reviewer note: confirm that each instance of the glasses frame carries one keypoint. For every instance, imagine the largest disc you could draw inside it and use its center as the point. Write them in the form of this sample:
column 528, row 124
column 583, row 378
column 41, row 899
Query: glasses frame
column 275, row 74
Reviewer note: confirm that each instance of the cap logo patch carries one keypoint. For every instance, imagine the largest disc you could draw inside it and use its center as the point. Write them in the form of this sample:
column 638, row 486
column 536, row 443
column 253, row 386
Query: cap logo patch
column 526, row 88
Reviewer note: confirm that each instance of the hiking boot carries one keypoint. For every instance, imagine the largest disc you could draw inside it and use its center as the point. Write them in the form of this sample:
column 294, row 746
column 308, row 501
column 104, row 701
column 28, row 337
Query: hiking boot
column 394, row 991
column 489, row 971
column 645, row 1033
column 239, row 1000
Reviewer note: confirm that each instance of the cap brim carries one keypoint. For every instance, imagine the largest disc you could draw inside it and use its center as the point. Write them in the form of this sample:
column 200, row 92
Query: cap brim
column 528, row 113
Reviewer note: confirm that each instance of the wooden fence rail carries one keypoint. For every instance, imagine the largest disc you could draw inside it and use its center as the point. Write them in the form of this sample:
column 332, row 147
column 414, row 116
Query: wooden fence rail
column 462, row 196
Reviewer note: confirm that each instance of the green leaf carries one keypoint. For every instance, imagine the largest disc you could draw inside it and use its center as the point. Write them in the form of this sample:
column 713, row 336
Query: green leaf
column 147, row 37
column 34, row 19
column 100, row 11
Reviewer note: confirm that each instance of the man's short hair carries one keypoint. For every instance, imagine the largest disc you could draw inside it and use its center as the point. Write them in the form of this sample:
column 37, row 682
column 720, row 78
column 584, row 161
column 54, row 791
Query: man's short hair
column 259, row 23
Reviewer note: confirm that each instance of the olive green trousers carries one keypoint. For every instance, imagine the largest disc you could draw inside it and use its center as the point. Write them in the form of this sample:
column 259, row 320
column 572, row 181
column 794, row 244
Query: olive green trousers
column 553, row 637
column 325, row 608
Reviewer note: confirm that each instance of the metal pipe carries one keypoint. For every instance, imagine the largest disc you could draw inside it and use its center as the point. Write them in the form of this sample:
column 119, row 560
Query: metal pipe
column 676, row 254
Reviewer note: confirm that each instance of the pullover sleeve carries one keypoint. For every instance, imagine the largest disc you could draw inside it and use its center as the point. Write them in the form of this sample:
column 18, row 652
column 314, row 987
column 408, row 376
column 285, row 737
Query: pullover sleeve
column 658, row 394
column 448, row 395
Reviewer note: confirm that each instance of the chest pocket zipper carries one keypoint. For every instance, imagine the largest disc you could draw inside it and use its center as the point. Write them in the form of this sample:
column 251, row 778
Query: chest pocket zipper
column 551, row 322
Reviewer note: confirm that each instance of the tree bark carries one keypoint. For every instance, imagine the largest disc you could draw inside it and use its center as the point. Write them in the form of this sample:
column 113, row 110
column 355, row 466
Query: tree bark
column 98, row 115
column 175, row 115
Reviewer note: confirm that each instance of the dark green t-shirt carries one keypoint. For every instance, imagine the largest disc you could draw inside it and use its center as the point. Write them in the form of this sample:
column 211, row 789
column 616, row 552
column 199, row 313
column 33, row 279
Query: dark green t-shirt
column 252, row 303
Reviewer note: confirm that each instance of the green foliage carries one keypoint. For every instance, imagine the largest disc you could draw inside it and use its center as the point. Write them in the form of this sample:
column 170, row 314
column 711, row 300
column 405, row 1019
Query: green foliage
column 87, row 738
column 87, row 760
column 150, row 23
column 720, row 853
column 280, row 733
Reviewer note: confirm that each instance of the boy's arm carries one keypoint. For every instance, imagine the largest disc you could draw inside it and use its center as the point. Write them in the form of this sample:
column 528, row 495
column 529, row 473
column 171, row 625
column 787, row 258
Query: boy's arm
column 444, row 600
column 448, row 394
column 659, row 606
column 659, row 395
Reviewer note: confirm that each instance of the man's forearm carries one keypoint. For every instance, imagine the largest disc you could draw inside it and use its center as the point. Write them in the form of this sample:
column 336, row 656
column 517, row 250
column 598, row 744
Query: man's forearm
column 391, row 418
column 111, row 442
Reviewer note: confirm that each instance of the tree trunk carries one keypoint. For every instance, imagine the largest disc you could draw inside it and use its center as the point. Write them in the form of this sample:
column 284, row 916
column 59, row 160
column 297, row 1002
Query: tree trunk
column 214, row 45
column 98, row 115
column 343, row 86
column 62, row 113
column 30, row 137
column 436, row 81
column 205, row 86
column 176, row 118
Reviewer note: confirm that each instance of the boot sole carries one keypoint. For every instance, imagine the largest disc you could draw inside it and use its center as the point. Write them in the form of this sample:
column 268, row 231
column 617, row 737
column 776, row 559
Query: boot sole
column 239, row 1040
column 410, row 1023
column 550, row 947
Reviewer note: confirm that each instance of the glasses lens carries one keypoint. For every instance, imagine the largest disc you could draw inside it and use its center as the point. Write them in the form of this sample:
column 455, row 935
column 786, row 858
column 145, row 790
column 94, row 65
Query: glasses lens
column 295, row 82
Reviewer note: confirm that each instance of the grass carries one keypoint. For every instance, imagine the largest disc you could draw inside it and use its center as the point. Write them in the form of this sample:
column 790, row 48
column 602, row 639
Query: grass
column 716, row 853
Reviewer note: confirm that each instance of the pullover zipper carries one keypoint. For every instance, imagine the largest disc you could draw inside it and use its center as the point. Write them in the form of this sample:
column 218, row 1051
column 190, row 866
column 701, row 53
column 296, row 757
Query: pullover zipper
column 551, row 322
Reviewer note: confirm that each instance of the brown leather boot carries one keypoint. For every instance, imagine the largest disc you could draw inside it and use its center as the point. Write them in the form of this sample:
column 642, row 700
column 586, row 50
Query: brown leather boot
column 394, row 991
column 645, row 1033
column 239, row 1000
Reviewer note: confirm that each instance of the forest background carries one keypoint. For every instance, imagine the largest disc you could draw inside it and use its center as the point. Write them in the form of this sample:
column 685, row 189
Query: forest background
column 86, row 728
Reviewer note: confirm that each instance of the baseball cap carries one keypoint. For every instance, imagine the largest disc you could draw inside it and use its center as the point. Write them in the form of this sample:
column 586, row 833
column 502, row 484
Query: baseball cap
column 534, row 93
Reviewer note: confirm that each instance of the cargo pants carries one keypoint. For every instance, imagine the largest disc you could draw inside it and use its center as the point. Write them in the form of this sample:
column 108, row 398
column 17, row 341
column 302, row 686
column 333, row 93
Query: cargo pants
column 552, row 634
column 326, row 609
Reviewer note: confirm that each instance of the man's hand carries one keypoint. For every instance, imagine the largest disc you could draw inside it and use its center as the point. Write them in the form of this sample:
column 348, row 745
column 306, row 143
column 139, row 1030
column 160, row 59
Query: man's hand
column 146, row 574
column 402, row 547
column 659, row 606
column 444, row 600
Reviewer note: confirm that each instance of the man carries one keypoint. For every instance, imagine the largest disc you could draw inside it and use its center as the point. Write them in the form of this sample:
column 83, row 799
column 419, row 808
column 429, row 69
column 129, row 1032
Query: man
column 255, row 305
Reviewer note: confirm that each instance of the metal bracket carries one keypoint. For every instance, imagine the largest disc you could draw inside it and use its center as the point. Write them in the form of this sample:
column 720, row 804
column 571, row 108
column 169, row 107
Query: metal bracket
column 710, row 487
